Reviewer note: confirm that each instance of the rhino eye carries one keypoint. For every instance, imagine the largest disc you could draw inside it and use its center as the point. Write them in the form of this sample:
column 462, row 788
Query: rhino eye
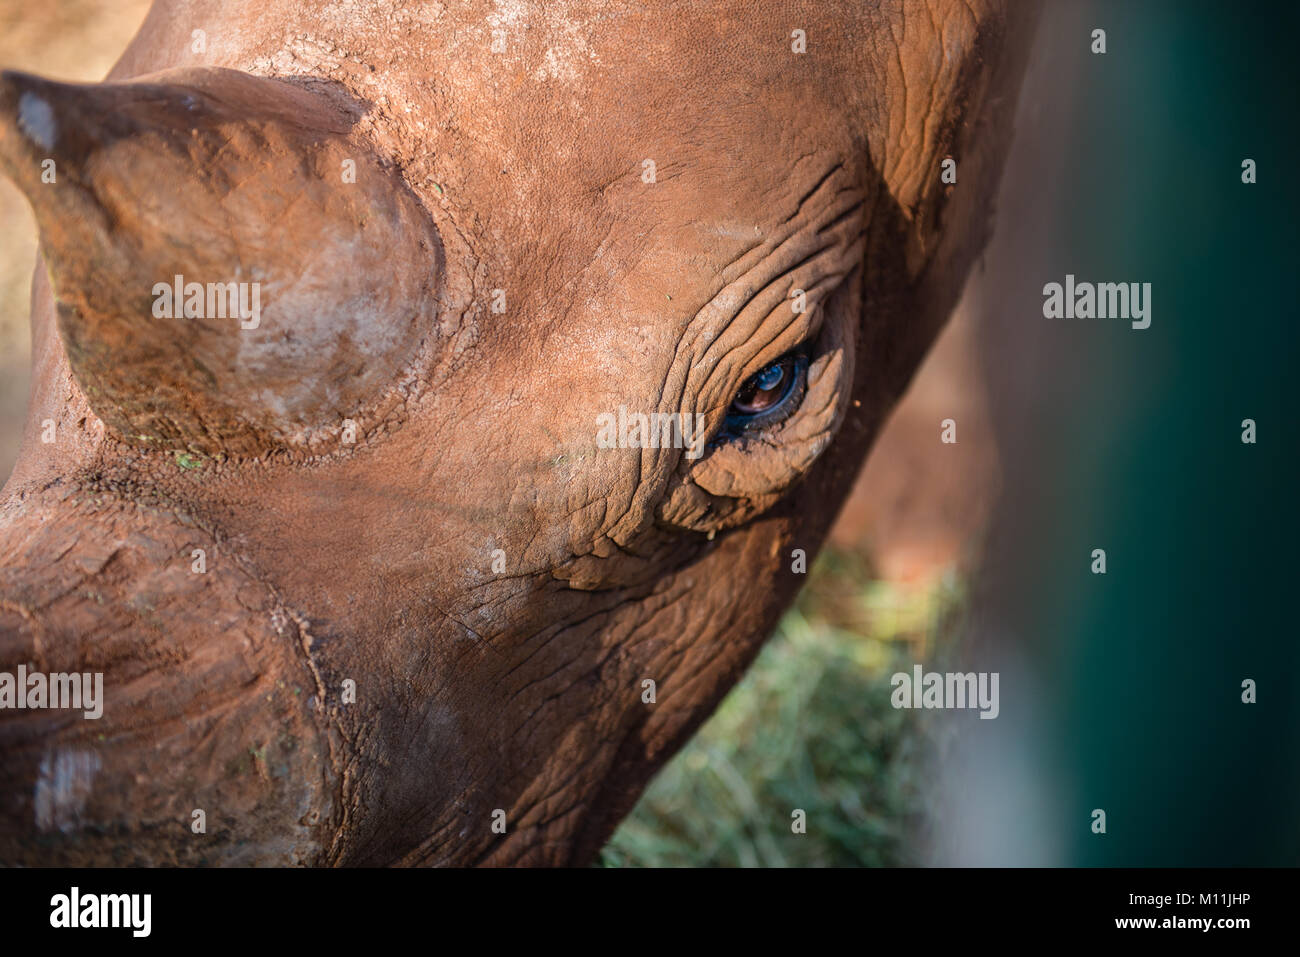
column 771, row 394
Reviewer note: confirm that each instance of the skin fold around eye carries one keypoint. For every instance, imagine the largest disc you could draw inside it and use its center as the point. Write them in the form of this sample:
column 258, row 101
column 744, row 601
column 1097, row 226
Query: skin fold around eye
column 757, row 456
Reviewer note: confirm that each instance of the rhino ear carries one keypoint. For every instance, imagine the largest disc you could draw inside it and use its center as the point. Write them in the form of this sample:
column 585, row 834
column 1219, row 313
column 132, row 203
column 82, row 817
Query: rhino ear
column 307, row 273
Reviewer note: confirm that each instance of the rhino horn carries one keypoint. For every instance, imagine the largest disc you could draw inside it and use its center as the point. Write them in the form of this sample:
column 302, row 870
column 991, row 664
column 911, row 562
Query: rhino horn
column 232, row 272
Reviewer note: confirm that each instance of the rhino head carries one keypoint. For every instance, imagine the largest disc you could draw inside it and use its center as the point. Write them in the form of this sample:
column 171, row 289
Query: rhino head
column 414, row 385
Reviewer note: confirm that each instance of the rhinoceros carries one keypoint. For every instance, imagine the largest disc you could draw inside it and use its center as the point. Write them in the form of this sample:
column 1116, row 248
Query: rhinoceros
column 435, row 404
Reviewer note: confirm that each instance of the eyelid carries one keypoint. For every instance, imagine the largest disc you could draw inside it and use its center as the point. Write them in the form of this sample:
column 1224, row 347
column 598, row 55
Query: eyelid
column 736, row 426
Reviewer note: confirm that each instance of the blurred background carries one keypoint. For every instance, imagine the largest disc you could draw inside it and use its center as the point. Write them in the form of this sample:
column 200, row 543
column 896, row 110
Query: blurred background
column 1119, row 692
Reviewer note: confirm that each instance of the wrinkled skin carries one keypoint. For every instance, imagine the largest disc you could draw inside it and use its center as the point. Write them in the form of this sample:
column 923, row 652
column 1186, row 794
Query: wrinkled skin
column 372, row 561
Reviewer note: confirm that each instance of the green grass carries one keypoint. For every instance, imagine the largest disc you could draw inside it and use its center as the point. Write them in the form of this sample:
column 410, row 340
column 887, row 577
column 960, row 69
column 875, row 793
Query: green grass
column 810, row 727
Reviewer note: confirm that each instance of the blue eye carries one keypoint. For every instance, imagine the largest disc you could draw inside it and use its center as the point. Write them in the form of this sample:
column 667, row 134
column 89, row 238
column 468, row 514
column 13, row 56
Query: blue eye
column 769, row 395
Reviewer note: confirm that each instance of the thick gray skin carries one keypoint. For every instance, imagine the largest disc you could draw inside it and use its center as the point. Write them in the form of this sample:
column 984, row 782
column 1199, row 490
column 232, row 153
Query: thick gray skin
column 479, row 689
